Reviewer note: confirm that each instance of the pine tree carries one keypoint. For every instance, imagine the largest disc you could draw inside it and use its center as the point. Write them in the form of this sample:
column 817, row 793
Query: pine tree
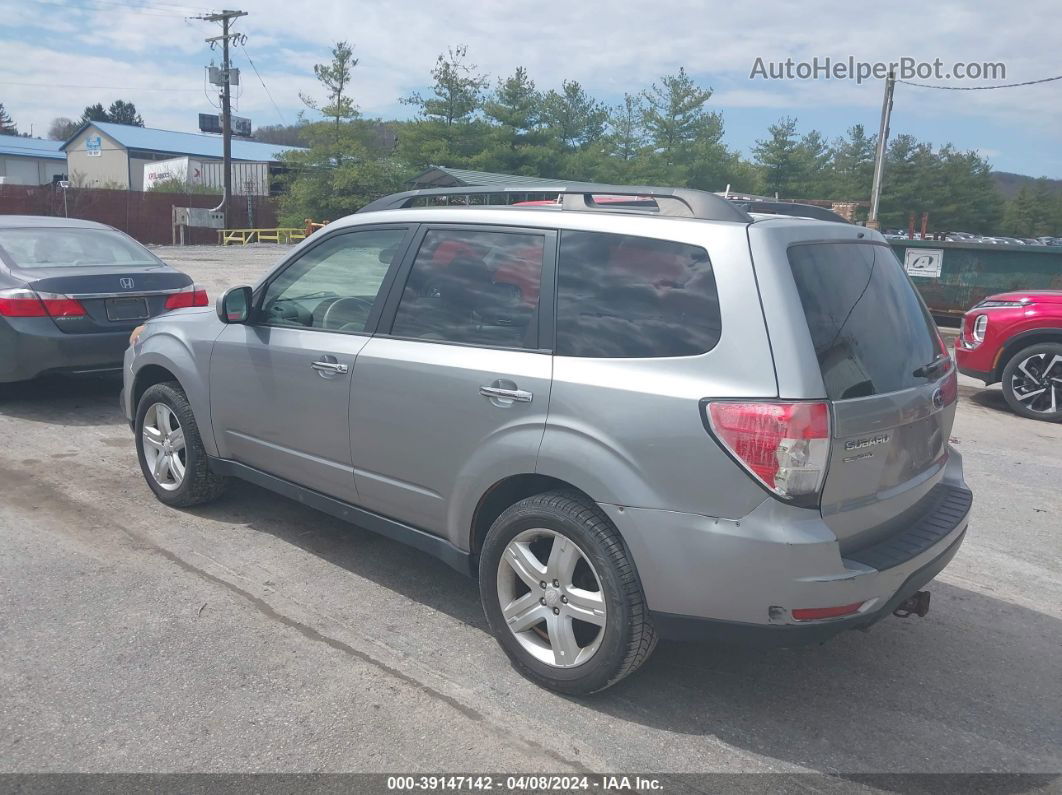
column 778, row 157
column 675, row 115
column 575, row 117
column 335, row 77
column 457, row 91
column 852, row 161
column 7, row 124
column 122, row 112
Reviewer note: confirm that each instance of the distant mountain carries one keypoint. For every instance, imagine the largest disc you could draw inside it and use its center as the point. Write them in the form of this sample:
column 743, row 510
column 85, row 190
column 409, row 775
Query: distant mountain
column 1009, row 184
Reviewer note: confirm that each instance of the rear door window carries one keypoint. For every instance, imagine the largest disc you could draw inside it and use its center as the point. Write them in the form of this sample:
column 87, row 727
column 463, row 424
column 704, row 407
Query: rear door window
column 870, row 329
column 478, row 287
column 627, row 296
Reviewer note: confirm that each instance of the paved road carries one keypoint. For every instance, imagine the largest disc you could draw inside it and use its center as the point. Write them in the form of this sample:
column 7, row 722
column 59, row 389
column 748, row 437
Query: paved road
column 255, row 634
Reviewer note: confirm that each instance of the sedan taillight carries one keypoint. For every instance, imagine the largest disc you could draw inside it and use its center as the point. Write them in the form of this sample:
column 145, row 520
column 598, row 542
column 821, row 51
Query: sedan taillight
column 22, row 302
column 192, row 295
column 784, row 445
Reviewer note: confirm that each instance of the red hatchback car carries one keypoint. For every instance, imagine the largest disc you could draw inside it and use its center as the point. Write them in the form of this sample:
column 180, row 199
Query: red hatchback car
column 1016, row 338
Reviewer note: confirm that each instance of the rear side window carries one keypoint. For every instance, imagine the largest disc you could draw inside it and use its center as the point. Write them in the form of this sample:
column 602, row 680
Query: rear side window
column 626, row 296
column 870, row 329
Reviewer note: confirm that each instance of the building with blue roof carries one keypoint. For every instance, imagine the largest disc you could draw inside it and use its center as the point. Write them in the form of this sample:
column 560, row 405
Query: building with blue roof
column 101, row 154
column 30, row 161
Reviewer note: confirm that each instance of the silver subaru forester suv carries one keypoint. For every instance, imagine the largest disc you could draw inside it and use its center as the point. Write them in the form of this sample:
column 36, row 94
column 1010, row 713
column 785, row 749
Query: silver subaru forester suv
column 632, row 413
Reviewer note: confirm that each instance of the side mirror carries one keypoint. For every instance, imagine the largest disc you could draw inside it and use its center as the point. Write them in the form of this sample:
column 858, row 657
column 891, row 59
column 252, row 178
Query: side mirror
column 234, row 306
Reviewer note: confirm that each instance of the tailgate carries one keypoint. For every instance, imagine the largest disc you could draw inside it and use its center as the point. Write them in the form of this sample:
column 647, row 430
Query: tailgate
column 889, row 380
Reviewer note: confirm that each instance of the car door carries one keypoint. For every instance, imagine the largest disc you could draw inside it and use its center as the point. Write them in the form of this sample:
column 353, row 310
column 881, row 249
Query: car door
column 455, row 385
column 280, row 384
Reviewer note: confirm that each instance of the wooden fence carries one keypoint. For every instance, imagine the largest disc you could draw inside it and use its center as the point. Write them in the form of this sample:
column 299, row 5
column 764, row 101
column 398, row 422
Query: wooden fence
column 143, row 216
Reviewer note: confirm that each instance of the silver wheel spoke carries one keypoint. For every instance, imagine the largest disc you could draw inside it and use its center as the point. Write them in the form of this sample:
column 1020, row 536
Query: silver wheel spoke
column 1028, row 395
column 527, row 567
column 588, row 606
column 152, row 438
column 163, row 418
column 1028, row 375
column 162, row 467
column 176, row 467
column 523, row 613
column 562, row 559
column 177, row 440
column 562, row 639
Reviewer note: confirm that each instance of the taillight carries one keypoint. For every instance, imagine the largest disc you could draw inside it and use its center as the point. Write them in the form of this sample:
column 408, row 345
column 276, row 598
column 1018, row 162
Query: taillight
column 192, row 295
column 784, row 445
column 22, row 302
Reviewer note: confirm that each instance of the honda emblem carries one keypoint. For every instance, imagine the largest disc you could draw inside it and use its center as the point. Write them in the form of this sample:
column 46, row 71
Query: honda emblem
column 126, row 282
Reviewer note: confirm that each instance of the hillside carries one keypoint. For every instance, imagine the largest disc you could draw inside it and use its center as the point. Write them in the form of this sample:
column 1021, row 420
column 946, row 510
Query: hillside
column 1009, row 184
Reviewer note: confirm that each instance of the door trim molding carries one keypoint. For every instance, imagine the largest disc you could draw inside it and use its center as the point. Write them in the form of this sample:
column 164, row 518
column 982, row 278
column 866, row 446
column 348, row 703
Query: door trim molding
column 411, row 536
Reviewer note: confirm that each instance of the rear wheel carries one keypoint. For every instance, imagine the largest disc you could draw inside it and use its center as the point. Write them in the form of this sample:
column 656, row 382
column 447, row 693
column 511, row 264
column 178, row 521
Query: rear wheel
column 1032, row 382
column 562, row 596
column 170, row 449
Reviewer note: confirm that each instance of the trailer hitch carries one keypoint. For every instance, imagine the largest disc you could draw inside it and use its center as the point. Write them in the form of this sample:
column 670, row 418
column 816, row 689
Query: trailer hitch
column 916, row 604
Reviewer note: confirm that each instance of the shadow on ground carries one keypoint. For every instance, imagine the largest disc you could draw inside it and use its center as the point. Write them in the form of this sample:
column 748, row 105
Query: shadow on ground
column 959, row 691
column 57, row 400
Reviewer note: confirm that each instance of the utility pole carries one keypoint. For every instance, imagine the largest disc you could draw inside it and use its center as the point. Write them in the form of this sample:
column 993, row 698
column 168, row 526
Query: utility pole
column 225, row 18
column 879, row 153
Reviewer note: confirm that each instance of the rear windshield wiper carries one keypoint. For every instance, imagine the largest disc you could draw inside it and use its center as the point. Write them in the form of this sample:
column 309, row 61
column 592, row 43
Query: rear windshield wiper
column 927, row 370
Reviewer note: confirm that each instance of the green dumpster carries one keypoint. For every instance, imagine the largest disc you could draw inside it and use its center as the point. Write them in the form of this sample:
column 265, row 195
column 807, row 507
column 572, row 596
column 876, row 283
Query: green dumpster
column 952, row 277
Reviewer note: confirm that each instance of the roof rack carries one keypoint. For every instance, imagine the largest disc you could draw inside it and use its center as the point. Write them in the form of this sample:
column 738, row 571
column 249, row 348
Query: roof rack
column 789, row 208
column 581, row 196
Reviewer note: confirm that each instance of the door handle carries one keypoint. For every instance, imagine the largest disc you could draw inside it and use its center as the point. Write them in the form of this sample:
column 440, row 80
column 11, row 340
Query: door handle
column 330, row 367
column 517, row 395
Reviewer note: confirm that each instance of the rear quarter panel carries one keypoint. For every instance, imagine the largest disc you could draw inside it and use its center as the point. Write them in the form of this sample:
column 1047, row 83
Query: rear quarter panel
column 629, row 431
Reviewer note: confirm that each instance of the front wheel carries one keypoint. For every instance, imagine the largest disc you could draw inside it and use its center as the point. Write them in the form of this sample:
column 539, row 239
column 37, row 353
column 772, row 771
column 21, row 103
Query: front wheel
column 561, row 594
column 170, row 449
column 1032, row 382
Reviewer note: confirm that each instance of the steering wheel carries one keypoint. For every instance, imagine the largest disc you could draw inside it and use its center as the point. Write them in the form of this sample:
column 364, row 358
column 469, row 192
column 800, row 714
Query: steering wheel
column 345, row 312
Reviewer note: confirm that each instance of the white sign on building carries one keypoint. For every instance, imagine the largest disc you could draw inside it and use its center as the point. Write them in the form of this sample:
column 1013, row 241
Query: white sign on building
column 924, row 262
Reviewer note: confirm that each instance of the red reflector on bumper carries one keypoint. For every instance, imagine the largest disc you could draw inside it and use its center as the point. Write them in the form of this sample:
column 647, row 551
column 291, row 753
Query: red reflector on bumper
column 813, row 613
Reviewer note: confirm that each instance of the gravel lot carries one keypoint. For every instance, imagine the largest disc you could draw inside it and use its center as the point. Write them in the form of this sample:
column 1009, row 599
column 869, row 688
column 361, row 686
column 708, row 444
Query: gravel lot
column 256, row 634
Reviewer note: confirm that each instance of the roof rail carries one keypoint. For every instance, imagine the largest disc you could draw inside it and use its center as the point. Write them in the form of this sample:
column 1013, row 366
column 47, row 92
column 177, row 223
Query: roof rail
column 794, row 209
column 580, row 196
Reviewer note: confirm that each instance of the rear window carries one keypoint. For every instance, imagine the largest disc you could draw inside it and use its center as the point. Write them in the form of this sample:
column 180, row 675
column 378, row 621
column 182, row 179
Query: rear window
column 870, row 329
column 58, row 247
column 626, row 296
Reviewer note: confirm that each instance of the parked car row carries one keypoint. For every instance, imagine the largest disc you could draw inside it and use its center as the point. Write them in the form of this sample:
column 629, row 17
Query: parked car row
column 967, row 237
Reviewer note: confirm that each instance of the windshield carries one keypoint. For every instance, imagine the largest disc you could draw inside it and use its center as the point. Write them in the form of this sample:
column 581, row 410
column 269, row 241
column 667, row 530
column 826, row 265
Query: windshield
column 61, row 247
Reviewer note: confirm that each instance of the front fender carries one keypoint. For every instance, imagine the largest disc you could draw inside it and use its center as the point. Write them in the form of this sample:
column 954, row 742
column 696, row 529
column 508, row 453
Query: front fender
column 173, row 347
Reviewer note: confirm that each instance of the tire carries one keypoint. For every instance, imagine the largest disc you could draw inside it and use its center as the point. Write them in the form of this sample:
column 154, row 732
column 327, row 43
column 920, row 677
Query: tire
column 197, row 484
column 612, row 651
column 1028, row 389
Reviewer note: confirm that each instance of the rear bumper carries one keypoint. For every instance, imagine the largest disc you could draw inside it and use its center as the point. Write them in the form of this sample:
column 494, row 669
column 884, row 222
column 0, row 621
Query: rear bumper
column 678, row 627
column 33, row 346
column 711, row 577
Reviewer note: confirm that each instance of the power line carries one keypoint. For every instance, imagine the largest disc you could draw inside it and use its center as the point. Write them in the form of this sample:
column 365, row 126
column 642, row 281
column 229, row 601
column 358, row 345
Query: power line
column 107, row 5
column 260, row 80
column 981, row 88
column 71, row 85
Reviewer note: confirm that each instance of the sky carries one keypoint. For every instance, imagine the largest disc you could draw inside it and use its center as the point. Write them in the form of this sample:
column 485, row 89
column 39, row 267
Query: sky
column 57, row 56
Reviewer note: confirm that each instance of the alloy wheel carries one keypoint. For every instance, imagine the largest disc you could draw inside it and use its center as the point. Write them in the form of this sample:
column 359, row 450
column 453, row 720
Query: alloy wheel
column 164, row 446
column 551, row 598
column 1037, row 383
